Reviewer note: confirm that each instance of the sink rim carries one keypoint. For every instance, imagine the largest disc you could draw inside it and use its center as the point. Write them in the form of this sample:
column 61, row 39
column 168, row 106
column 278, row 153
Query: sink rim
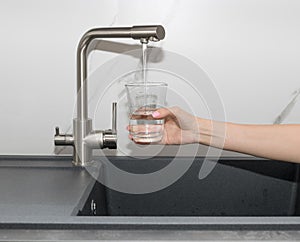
column 181, row 223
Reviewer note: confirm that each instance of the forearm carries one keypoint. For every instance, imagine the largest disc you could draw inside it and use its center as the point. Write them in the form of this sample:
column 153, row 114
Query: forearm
column 280, row 142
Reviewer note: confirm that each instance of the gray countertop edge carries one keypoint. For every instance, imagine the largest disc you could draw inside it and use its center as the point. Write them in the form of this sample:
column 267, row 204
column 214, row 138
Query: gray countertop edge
column 57, row 222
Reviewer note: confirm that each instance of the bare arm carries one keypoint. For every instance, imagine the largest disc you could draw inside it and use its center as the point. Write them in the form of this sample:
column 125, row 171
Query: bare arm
column 280, row 141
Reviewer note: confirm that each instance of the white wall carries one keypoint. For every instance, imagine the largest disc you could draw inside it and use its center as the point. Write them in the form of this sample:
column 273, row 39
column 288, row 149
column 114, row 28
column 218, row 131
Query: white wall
column 249, row 48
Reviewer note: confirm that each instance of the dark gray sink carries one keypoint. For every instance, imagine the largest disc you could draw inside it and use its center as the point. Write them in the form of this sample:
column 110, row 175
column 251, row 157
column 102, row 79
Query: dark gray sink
column 46, row 192
column 236, row 187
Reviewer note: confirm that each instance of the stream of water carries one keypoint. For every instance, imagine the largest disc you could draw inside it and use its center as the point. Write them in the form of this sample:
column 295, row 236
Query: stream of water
column 146, row 129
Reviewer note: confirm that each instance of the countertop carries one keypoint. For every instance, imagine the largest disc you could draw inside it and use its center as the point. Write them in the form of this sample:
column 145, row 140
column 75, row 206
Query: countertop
column 46, row 192
column 146, row 235
column 41, row 186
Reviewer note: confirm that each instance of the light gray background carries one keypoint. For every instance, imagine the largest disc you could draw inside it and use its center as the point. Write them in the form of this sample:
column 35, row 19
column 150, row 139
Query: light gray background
column 249, row 48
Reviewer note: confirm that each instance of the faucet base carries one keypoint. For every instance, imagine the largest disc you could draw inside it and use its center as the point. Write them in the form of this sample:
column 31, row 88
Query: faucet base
column 82, row 153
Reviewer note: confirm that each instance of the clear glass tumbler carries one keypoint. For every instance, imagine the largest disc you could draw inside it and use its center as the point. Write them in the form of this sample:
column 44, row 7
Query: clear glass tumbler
column 144, row 99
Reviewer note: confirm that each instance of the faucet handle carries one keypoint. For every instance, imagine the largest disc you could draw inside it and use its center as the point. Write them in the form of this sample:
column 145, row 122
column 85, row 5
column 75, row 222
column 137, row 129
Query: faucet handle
column 114, row 118
column 109, row 139
column 56, row 131
column 104, row 138
column 63, row 139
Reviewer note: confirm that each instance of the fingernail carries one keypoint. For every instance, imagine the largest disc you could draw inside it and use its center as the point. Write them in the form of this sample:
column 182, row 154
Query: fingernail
column 155, row 114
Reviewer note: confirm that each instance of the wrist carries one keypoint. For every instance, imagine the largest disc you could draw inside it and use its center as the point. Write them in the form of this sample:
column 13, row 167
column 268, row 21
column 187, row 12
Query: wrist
column 212, row 133
column 204, row 132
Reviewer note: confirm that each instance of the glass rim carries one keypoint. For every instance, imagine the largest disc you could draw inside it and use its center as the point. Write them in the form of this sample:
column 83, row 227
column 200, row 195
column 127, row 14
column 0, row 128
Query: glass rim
column 136, row 84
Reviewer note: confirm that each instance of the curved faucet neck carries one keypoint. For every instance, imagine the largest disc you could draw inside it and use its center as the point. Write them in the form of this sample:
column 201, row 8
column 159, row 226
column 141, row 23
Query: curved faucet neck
column 144, row 33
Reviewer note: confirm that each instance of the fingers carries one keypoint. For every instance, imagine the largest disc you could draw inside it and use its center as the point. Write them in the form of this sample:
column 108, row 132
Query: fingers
column 165, row 112
column 145, row 134
column 145, row 128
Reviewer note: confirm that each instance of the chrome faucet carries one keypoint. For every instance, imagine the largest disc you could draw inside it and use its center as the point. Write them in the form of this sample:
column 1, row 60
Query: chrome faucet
column 84, row 139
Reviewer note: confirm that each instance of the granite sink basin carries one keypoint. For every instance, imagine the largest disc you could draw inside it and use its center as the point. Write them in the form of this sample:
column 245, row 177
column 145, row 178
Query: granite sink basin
column 235, row 187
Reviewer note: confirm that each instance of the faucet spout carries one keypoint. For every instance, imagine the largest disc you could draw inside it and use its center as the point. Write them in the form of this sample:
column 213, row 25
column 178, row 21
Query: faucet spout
column 148, row 33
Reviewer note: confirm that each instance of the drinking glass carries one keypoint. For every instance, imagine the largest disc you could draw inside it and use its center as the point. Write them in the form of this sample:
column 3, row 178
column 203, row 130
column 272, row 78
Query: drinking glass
column 144, row 99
